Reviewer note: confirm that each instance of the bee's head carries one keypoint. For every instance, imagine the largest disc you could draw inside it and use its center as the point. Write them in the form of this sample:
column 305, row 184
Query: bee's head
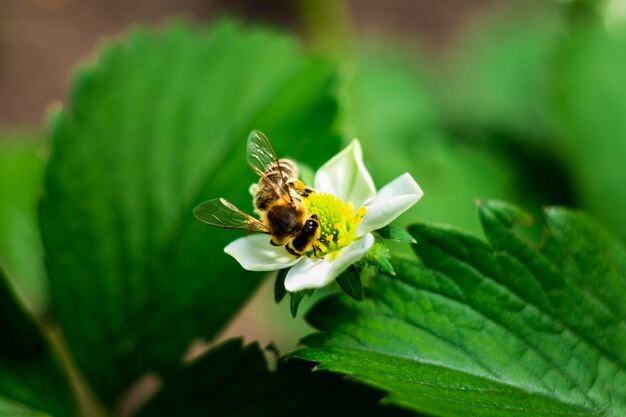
column 311, row 225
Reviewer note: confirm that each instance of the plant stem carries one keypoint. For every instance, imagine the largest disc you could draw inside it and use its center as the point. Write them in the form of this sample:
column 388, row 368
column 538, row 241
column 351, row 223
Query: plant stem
column 87, row 404
column 327, row 27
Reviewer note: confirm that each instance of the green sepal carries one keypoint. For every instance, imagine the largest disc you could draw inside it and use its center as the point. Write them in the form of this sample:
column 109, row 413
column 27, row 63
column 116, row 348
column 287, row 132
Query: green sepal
column 350, row 283
column 384, row 263
column 379, row 257
column 296, row 299
column 395, row 233
column 279, row 285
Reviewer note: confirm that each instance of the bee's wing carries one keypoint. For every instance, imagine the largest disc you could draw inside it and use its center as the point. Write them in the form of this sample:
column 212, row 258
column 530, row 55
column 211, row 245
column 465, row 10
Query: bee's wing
column 260, row 155
column 259, row 152
column 222, row 213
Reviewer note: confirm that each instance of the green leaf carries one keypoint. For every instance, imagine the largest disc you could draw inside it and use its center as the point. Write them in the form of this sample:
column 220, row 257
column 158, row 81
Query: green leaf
column 589, row 105
column 495, row 329
column 31, row 380
column 496, row 77
column 350, row 283
column 493, row 93
column 233, row 380
column 388, row 106
column 10, row 408
column 395, row 233
column 156, row 125
column 21, row 182
column 295, row 300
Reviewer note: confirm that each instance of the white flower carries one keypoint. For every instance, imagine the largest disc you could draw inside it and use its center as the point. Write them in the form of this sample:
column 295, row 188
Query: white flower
column 346, row 182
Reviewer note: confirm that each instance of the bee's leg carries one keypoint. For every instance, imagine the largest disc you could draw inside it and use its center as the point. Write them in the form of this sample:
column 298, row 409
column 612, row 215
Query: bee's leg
column 273, row 243
column 291, row 250
column 298, row 187
column 315, row 251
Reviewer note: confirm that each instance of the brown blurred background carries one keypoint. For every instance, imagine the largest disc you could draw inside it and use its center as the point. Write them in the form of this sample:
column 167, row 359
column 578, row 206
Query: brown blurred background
column 41, row 41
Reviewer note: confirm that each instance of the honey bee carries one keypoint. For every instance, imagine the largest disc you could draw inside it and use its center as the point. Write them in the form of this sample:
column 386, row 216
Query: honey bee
column 277, row 200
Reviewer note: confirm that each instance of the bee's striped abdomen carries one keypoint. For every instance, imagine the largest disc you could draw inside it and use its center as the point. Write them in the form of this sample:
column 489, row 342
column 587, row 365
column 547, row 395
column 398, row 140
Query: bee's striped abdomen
column 287, row 166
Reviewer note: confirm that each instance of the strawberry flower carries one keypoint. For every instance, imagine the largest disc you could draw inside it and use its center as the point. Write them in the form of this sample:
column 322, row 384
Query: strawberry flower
column 348, row 209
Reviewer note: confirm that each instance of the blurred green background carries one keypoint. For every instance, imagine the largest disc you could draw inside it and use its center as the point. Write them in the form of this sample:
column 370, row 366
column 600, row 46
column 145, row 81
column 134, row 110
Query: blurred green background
column 522, row 101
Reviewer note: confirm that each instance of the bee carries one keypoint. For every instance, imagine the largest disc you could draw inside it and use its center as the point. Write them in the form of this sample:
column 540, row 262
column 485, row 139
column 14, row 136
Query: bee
column 277, row 201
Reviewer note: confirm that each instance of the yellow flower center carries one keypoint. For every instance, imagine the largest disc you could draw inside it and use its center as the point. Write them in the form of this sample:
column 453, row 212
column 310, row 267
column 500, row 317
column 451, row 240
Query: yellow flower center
column 338, row 222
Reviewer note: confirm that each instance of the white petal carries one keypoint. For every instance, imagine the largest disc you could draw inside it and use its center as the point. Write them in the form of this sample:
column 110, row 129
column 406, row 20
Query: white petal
column 345, row 176
column 316, row 273
column 391, row 201
column 255, row 253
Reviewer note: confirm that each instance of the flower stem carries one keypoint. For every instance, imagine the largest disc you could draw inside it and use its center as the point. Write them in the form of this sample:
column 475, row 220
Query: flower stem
column 327, row 27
